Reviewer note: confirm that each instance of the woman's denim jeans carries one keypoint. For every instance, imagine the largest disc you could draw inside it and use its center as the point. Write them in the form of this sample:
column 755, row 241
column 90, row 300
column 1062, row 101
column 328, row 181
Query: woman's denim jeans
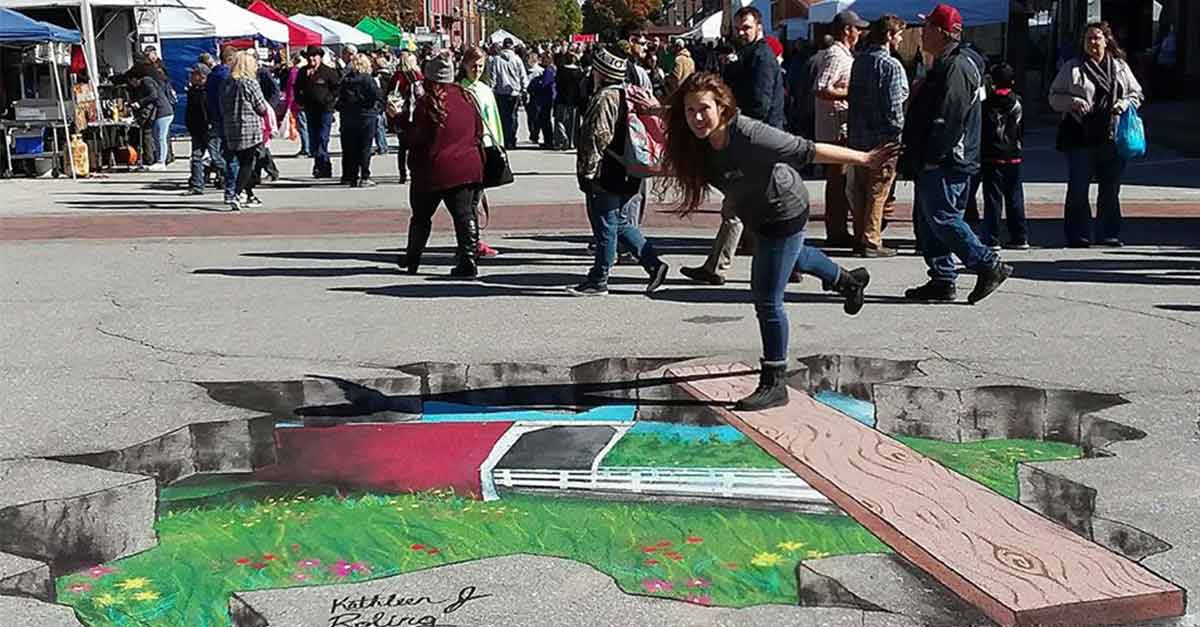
column 774, row 260
column 610, row 216
column 162, row 138
column 1084, row 164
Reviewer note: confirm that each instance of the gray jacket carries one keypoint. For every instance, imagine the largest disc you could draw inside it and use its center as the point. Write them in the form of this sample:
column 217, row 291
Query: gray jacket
column 508, row 73
column 758, row 174
column 242, row 111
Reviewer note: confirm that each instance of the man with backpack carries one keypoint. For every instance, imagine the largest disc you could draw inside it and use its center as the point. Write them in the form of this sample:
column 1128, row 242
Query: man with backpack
column 611, row 190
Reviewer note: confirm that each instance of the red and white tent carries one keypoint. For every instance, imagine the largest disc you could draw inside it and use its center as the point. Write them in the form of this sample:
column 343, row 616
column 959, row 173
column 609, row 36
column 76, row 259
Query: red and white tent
column 298, row 35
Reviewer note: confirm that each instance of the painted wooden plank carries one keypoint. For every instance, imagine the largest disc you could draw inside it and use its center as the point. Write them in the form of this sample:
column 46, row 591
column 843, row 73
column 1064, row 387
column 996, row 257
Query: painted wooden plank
column 1016, row 566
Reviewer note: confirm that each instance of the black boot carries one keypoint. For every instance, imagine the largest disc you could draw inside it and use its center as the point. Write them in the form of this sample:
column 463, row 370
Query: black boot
column 418, row 237
column 852, row 285
column 467, row 234
column 771, row 392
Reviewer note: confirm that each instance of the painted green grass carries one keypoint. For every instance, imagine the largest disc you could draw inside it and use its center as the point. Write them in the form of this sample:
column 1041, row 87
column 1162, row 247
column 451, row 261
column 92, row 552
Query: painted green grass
column 703, row 554
column 990, row 462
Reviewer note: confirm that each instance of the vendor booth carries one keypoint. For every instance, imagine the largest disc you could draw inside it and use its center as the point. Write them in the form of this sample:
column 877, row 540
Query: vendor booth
column 500, row 35
column 39, row 53
column 333, row 32
column 298, row 36
column 708, row 30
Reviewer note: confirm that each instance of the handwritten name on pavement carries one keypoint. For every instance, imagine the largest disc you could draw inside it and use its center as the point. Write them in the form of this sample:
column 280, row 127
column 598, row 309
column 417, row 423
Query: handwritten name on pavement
column 349, row 611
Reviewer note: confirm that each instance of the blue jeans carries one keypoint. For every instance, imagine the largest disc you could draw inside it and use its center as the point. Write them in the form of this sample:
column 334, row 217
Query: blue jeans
column 381, row 133
column 1082, row 165
column 943, row 232
column 210, row 147
column 320, row 124
column 610, row 216
column 162, row 138
column 508, row 118
column 232, row 169
column 774, row 260
column 302, row 130
column 1003, row 193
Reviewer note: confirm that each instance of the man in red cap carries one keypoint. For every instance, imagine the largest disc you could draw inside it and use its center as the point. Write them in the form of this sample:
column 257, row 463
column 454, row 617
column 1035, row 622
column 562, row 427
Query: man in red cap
column 941, row 140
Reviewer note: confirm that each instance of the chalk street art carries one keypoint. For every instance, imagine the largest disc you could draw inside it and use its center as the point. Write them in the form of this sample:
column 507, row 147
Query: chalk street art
column 629, row 471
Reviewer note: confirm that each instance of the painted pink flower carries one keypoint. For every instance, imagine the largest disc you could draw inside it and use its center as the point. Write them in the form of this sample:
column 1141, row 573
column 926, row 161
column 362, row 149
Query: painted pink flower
column 300, row 577
column 344, row 569
column 433, row 551
column 649, row 549
column 97, row 572
column 244, row 561
column 417, row 547
column 694, row 540
column 702, row 599
column 258, row 565
column 310, row 563
column 268, row 557
column 663, row 543
column 651, row 562
column 657, row 585
column 697, row 582
column 359, row 567
column 674, row 556
column 80, row 588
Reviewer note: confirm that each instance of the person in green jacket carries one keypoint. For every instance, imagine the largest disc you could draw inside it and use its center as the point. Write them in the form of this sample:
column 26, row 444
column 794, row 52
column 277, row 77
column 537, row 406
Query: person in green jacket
column 473, row 63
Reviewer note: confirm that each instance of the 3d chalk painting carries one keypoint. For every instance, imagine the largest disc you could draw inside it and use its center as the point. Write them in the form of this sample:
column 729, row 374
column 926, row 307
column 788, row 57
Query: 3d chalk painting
column 419, row 499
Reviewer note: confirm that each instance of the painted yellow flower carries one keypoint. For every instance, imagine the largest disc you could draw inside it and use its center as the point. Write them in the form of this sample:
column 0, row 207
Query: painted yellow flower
column 105, row 600
column 146, row 595
column 134, row 583
column 790, row 547
column 816, row 555
column 766, row 560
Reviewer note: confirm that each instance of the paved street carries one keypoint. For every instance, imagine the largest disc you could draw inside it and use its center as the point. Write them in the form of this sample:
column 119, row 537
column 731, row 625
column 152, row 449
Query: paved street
column 118, row 292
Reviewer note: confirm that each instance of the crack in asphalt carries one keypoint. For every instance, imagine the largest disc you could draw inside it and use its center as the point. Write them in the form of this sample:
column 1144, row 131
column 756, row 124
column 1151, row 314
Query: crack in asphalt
column 1064, row 299
column 178, row 351
column 975, row 369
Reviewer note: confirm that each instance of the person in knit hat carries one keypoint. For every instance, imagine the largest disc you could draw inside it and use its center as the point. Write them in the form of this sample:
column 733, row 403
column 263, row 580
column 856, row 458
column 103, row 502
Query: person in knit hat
column 612, row 194
column 447, row 167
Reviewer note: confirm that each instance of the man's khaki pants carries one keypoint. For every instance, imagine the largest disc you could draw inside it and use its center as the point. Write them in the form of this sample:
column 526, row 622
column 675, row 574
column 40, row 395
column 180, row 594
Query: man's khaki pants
column 868, row 191
column 725, row 246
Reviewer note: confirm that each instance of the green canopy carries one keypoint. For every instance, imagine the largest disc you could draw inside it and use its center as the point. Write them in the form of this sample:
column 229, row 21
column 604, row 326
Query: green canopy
column 381, row 30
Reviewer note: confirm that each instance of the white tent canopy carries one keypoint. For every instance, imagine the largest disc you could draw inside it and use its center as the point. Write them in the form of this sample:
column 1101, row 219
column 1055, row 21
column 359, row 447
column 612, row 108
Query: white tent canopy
column 500, row 35
column 333, row 31
column 708, row 30
column 217, row 18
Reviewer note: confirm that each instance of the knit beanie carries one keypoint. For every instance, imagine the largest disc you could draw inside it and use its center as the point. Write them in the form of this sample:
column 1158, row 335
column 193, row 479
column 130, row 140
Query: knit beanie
column 440, row 69
column 609, row 66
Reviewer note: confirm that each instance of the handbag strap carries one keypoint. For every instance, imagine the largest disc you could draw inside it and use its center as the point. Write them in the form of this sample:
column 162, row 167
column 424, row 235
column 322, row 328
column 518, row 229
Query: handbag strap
column 487, row 129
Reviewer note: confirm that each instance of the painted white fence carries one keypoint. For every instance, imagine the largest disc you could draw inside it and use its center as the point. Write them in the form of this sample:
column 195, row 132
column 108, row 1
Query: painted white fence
column 734, row 483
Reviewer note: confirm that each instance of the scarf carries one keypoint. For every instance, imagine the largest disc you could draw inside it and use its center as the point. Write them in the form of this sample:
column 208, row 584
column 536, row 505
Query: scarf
column 1100, row 124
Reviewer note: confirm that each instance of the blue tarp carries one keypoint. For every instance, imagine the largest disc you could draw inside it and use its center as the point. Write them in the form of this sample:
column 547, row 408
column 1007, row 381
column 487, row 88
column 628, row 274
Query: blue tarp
column 179, row 56
column 974, row 12
column 15, row 27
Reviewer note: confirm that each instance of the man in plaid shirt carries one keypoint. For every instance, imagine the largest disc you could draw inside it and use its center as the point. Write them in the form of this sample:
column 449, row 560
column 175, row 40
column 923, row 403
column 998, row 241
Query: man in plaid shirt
column 878, row 91
column 833, row 103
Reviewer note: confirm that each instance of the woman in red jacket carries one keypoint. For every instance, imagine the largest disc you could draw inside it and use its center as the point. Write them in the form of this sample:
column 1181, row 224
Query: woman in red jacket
column 446, row 161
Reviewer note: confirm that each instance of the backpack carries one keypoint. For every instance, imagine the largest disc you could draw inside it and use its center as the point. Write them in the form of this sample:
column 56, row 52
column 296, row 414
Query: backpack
column 645, row 133
column 400, row 104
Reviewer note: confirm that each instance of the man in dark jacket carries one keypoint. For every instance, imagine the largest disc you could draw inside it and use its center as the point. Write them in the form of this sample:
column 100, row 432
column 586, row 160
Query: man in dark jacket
column 205, row 144
column 213, row 89
column 941, row 141
column 316, row 90
column 756, row 78
column 757, row 84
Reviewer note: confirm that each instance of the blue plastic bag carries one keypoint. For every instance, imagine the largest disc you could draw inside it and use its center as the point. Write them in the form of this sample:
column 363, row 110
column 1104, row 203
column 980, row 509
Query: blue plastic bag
column 1131, row 135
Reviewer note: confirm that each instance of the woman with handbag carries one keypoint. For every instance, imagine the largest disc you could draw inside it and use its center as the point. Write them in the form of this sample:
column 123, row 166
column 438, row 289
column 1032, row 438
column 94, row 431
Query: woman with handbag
column 1091, row 92
column 447, row 166
column 406, row 90
column 473, row 65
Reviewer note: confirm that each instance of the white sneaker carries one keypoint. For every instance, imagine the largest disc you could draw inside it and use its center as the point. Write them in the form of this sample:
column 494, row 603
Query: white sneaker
column 156, row 167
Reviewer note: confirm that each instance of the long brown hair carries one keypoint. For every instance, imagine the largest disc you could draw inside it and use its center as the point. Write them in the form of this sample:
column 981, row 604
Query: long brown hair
column 435, row 96
column 1110, row 41
column 470, row 56
column 683, row 159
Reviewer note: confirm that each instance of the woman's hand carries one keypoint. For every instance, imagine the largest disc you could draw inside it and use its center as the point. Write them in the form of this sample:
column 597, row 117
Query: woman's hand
column 881, row 155
column 1120, row 106
column 1080, row 106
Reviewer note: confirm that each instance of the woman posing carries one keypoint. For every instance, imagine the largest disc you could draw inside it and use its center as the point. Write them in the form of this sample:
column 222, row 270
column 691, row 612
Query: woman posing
column 1091, row 92
column 756, row 167
column 243, row 109
column 446, row 165
column 359, row 101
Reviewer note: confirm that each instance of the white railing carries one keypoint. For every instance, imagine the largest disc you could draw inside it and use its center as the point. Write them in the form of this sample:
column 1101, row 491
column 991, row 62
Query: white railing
column 731, row 483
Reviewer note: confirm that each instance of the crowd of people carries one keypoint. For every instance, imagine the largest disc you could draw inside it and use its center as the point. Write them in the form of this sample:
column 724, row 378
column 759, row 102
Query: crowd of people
column 733, row 120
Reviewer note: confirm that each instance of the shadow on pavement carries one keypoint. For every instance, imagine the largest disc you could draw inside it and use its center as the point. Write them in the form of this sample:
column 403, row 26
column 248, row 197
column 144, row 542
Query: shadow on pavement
column 1189, row 308
column 1146, row 271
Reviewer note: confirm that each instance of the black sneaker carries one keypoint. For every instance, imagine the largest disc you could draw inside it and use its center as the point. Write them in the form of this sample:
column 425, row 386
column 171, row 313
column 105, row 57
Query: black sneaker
column 1111, row 242
column 627, row 259
column 988, row 281
column 1017, row 245
column 700, row 274
column 933, row 291
column 852, row 286
column 253, row 201
column 657, row 276
column 588, row 289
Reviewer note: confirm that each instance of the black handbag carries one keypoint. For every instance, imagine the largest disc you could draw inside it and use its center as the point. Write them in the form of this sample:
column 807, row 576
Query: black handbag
column 496, row 171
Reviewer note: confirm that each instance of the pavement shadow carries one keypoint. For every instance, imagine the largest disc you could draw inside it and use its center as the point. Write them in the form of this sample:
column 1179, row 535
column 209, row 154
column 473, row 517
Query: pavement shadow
column 1145, row 271
column 300, row 272
column 1186, row 308
column 1138, row 231
column 434, row 256
column 731, row 296
column 130, row 205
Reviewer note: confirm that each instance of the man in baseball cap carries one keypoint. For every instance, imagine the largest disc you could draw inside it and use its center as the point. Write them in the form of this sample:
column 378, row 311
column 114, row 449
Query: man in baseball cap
column 942, row 141
column 848, row 18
